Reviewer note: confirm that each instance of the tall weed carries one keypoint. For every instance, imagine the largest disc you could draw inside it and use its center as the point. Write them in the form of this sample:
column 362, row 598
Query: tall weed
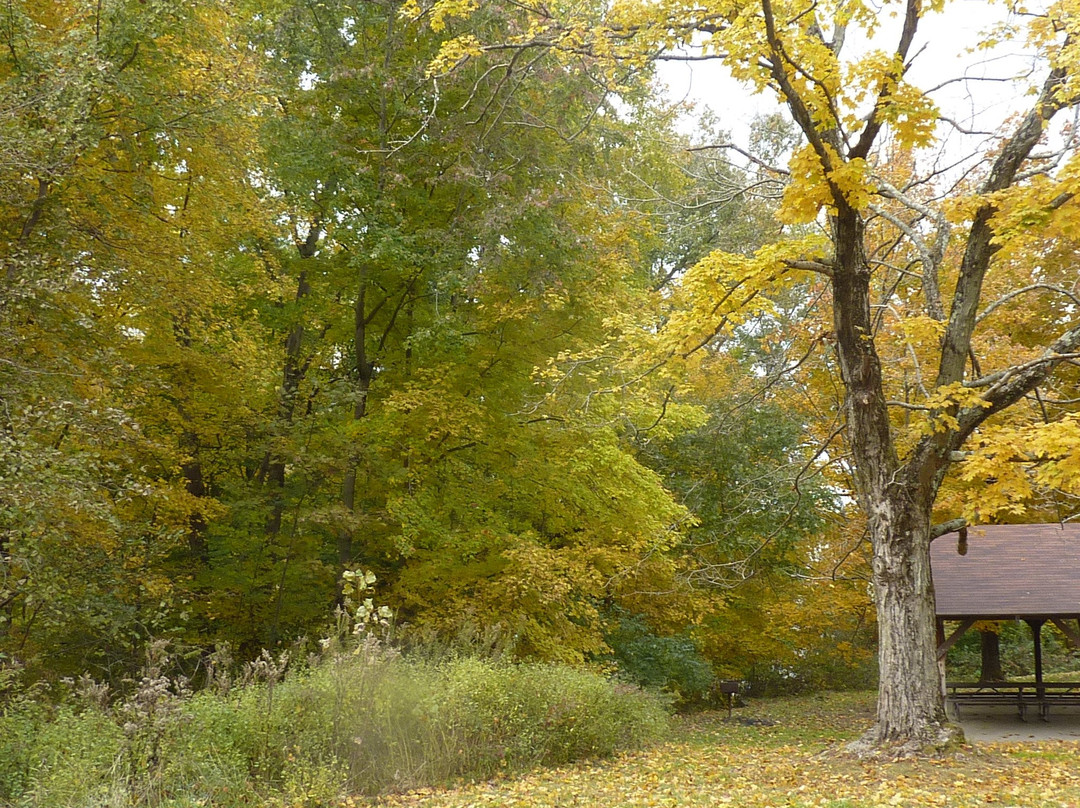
column 360, row 720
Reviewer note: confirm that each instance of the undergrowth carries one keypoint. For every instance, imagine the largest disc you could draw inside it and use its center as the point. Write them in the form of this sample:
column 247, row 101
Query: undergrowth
column 361, row 719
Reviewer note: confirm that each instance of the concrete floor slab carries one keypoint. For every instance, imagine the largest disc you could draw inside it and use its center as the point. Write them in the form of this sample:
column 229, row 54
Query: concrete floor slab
column 1001, row 724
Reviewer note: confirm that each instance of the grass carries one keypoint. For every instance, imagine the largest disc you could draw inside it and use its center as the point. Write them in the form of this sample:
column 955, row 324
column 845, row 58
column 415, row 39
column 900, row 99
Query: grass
column 795, row 762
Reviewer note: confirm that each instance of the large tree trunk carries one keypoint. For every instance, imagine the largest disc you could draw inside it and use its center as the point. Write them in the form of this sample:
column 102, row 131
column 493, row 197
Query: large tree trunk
column 364, row 371
column 294, row 369
column 910, row 709
column 195, row 485
column 990, row 643
column 292, row 374
column 896, row 495
column 898, row 501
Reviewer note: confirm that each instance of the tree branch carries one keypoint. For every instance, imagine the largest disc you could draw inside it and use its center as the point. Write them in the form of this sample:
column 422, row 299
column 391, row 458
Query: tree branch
column 873, row 121
column 980, row 248
column 1017, row 292
column 951, row 526
column 1008, row 386
column 811, row 265
column 799, row 111
column 932, row 256
column 748, row 155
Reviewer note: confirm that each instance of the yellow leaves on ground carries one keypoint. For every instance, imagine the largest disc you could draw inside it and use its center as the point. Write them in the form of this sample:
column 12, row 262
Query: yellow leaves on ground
column 795, row 762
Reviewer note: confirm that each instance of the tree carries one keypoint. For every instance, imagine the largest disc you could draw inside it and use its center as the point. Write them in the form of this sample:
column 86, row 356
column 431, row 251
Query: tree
column 964, row 239
column 920, row 270
column 441, row 235
column 121, row 176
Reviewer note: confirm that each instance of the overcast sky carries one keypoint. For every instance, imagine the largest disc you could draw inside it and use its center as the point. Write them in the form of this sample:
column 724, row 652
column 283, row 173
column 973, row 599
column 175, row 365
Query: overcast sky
column 946, row 49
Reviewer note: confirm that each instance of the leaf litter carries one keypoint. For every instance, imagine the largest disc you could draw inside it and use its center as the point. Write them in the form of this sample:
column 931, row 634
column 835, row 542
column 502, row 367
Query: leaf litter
column 790, row 756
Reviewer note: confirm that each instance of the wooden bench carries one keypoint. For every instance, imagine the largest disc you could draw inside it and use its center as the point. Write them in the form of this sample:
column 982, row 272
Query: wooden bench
column 1017, row 694
column 1057, row 693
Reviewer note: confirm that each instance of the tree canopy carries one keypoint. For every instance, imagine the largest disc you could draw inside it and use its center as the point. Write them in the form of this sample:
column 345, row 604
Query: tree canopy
column 291, row 289
column 452, row 292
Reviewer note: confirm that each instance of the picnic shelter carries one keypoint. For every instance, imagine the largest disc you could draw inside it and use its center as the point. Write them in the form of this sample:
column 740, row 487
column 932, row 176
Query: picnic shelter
column 1009, row 572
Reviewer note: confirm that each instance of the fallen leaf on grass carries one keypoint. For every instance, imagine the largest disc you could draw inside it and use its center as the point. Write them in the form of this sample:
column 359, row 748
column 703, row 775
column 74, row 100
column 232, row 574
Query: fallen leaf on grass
column 788, row 764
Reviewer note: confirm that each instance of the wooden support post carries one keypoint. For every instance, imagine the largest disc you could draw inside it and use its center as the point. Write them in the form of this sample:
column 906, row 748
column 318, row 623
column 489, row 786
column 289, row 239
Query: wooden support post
column 1067, row 630
column 1040, row 691
column 941, row 659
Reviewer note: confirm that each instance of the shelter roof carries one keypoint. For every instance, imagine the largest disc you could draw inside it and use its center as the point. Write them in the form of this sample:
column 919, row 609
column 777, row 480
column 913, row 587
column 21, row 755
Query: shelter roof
column 1009, row 571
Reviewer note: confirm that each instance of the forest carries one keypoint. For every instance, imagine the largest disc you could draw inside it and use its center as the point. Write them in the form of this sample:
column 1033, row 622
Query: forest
column 286, row 299
column 447, row 321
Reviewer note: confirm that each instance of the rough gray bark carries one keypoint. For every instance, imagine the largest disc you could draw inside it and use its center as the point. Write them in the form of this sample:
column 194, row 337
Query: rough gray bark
column 898, row 493
column 898, row 501
column 910, row 712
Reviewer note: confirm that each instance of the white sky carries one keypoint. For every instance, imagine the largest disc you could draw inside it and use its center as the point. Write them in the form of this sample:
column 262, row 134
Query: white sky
column 945, row 47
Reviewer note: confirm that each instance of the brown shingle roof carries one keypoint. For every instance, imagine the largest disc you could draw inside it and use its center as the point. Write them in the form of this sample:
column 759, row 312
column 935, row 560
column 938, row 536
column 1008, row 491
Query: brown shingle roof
column 1009, row 571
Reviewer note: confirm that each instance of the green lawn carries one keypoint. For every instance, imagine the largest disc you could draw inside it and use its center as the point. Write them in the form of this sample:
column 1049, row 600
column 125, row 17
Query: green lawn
column 793, row 762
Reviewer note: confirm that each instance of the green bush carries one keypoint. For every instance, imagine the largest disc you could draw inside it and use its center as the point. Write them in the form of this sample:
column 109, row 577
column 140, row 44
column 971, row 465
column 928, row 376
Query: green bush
column 73, row 760
column 369, row 723
column 819, row 671
column 518, row 716
column 389, row 724
column 20, row 725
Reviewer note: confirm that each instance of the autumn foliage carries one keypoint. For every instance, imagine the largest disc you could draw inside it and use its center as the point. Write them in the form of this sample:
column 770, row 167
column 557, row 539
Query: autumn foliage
column 291, row 289
column 452, row 293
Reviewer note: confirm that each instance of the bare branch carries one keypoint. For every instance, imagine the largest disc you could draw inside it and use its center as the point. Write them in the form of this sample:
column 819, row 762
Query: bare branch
column 904, row 405
column 1017, row 292
column 1001, row 376
column 932, row 255
column 748, row 155
column 820, row 267
column 929, row 274
column 951, row 526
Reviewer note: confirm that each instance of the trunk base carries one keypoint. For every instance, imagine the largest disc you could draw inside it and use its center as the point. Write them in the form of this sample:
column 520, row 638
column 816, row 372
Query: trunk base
column 935, row 739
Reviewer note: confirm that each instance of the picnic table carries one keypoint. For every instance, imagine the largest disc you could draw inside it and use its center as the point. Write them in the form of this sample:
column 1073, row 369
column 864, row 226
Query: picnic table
column 1018, row 694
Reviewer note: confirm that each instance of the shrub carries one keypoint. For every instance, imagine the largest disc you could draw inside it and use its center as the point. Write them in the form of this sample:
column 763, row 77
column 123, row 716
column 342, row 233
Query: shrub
column 817, row 671
column 367, row 722
column 73, row 760
column 384, row 724
column 519, row 716
column 20, row 725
